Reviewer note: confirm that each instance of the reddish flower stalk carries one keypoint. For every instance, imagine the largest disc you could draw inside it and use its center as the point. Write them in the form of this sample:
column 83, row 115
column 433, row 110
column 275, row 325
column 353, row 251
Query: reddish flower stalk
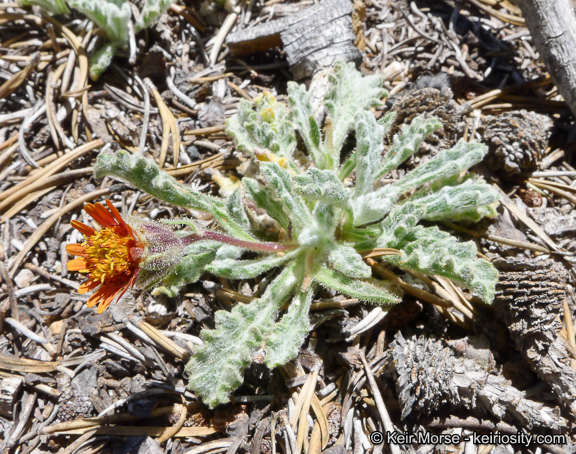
column 249, row 245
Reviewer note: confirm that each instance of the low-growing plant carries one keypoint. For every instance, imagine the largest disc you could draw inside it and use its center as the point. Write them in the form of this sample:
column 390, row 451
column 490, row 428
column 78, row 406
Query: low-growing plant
column 112, row 17
column 306, row 218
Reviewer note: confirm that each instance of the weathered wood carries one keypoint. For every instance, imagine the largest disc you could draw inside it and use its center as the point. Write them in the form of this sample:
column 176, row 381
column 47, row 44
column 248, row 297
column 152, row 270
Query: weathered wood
column 313, row 39
column 10, row 388
column 551, row 24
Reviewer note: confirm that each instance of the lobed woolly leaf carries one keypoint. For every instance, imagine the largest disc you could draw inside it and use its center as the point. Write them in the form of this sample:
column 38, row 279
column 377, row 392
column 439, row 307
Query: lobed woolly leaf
column 472, row 200
column 284, row 342
column 347, row 261
column 407, row 142
column 432, row 251
column 145, row 175
column 112, row 16
column 265, row 198
column 303, row 117
column 216, row 369
column 263, row 126
column 248, row 269
column 348, row 94
column 369, row 146
column 444, row 165
column 292, row 204
column 150, row 12
column 54, row 6
column 370, row 291
column 322, row 185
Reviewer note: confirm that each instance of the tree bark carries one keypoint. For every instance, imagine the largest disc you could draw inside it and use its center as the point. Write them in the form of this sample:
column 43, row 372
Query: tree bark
column 552, row 26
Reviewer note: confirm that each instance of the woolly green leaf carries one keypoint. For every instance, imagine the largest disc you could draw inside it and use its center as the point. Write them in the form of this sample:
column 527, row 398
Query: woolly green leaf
column 401, row 220
column 265, row 198
column 263, row 126
column 348, row 94
column 444, row 165
column 145, row 175
column 230, row 225
column 101, row 60
column 235, row 208
column 283, row 344
column 371, row 291
column 471, row 201
column 347, row 261
column 54, row 6
column 322, row 185
column 248, row 269
column 303, row 117
column 112, row 16
column 369, row 146
column 407, row 142
column 293, row 205
column 373, row 206
column 435, row 252
column 150, row 12
column 217, row 367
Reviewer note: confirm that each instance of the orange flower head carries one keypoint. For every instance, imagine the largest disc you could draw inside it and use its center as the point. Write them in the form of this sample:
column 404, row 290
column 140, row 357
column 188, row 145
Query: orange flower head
column 110, row 256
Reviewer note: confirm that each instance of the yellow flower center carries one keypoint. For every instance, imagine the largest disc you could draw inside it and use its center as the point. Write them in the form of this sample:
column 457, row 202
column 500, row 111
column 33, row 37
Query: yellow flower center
column 108, row 255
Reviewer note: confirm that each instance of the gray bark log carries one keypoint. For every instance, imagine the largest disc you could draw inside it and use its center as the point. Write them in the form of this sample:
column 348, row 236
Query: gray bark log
column 551, row 24
column 313, row 39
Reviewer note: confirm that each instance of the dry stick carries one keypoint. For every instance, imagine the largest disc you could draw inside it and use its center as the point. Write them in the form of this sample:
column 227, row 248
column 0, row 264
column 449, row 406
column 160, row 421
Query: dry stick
column 83, row 439
column 35, row 181
column 514, row 20
column 181, row 10
column 386, row 421
column 203, row 80
column 39, row 109
column 569, row 329
column 14, row 311
column 42, row 229
column 146, row 121
column 162, row 341
column 55, row 127
column 205, row 131
column 240, row 91
column 222, row 33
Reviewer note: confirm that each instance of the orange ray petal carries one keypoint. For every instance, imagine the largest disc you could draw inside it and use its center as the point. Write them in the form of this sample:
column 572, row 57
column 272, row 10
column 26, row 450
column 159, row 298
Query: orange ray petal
column 87, row 286
column 76, row 265
column 76, row 249
column 115, row 213
column 83, row 228
column 100, row 214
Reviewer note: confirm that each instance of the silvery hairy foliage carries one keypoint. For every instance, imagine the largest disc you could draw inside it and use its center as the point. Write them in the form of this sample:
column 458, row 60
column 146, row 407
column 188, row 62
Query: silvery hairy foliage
column 112, row 17
column 326, row 209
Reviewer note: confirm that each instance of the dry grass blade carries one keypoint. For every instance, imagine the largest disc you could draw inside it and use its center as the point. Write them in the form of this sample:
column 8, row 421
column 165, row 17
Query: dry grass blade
column 172, row 431
column 302, row 408
column 418, row 293
column 211, row 446
column 554, row 189
column 148, row 431
column 83, row 439
column 34, row 181
column 505, row 200
column 386, row 421
column 504, row 17
column 322, row 421
column 162, row 341
column 169, row 126
column 499, row 239
column 46, row 225
column 47, row 186
column 11, row 363
column 380, row 252
column 182, row 11
column 18, row 79
column 205, row 131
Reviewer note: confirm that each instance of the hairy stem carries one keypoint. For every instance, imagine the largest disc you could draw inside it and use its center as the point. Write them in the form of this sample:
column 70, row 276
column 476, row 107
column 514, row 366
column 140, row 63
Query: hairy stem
column 250, row 245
